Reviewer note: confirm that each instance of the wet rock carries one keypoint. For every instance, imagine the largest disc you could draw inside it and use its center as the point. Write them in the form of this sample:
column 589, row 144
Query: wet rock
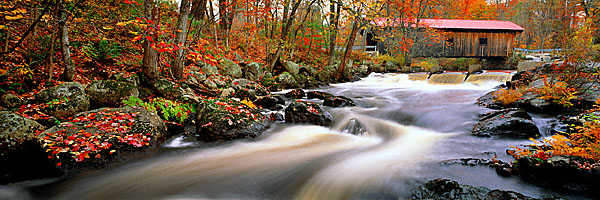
column 9, row 100
column 447, row 189
column 124, row 131
column 269, row 102
column 354, row 127
column 318, row 95
column 561, row 172
column 295, row 94
column 245, row 88
column 291, row 67
column 508, row 123
column 253, row 71
column 302, row 112
column 229, row 67
column 168, row 89
column 21, row 156
column 228, row 119
column 109, row 93
column 276, row 116
column 338, row 101
column 65, row 99
column 286, row 81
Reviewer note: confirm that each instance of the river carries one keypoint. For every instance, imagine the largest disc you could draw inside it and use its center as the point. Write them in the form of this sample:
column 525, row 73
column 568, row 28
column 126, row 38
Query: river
column 412, row 127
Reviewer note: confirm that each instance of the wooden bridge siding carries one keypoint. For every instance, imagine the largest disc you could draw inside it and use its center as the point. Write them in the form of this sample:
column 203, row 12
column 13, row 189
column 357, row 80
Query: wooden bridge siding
column 466, row 44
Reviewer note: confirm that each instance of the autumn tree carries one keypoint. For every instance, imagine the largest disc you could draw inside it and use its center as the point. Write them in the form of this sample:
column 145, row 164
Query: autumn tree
column 150, row 59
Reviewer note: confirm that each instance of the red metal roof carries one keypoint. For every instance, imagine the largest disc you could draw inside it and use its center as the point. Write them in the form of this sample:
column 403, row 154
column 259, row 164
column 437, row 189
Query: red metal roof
column 462, row 24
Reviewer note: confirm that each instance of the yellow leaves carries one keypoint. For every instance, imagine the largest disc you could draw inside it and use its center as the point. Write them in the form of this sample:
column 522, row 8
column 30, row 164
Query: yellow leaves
column 8, row 17
column 2, row 27
column 108, row 28
column 133, row 32
column 507, row 97
column 248, row 103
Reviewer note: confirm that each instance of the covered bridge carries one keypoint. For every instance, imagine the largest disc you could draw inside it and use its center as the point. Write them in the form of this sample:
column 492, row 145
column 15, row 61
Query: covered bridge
column 466, row 38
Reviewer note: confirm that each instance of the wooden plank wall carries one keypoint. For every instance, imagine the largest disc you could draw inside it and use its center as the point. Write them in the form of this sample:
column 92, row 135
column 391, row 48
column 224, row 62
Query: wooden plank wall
column 466, row 44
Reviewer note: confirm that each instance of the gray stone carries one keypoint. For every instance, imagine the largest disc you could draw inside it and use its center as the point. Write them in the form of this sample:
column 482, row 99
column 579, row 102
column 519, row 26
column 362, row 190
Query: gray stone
column 109, row 93
column 210, row 70
column 253, row 71
column 64, row 100
column 168, row 89
column 9, row 100
column 229, row 67
column 442, row 189
column 354, row 127
column 227, row 93
column 210, row 84
column 287, row 81
column 436, row 69
column 307, row 113
column 507, row 123
column 291, row 67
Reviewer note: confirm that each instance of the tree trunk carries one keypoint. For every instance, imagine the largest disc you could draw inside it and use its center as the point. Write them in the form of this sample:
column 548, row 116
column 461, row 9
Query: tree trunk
column 50, row 58
column 333, row 26
column 69, row 73
column 150, row 59
column 349, row 45
column 287, row 24
column 181, row 32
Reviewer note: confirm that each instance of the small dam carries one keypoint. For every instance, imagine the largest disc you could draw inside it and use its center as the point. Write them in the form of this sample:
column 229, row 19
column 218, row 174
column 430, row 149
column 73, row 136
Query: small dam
column 453, row 78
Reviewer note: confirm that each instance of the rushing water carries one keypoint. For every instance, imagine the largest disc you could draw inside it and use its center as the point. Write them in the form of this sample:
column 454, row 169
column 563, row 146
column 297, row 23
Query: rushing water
column 413, row 126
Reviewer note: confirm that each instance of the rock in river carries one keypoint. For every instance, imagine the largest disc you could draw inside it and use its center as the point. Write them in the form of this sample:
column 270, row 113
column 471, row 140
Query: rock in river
column 447, row 189
column 507, row 123
column 307, row 113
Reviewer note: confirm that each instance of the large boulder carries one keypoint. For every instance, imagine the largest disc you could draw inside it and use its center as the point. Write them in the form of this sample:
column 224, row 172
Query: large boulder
column 253, row 71
column 286, row 81
column 442, row 189
column 295, row 94
column 227, row 119
column 196, row 77
column 567, row 173
column 9, row 100
column 269, row 102
column 507, row 123
column 21, row 156
column 291, row 67
column 210, row 69
column 489, row 101
column 168, row 89
column 64, row 100
column 338, row 101
column 318, row 95
column 245, row 88
column 109, row 93
column 307, row 113
column 98, row 138
column 229, row 67
column 327, row 74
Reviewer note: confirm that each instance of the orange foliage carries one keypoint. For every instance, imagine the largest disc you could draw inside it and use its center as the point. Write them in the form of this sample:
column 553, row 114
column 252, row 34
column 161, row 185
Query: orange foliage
column 507, row 97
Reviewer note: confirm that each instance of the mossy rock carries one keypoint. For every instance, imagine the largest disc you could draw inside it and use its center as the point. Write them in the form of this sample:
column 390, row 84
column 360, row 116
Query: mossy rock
column 64, row 100
column 228, row 119
column 168, row 89
column 109, row 93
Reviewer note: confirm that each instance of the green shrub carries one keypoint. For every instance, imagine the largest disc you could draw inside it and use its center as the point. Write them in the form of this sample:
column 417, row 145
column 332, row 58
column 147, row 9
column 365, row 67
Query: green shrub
column 171, row 111
column 102, row 51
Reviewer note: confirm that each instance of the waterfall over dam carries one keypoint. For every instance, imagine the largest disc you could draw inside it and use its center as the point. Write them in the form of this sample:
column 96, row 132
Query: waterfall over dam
column 454, row 78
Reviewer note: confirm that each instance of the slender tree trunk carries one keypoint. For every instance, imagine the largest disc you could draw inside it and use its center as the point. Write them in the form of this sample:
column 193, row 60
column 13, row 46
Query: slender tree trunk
column 69, row 73
column 50, row 58
column 333, row 25
column 181, row 32
column 287, row 23
column 349, row 45
column 150, row 59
